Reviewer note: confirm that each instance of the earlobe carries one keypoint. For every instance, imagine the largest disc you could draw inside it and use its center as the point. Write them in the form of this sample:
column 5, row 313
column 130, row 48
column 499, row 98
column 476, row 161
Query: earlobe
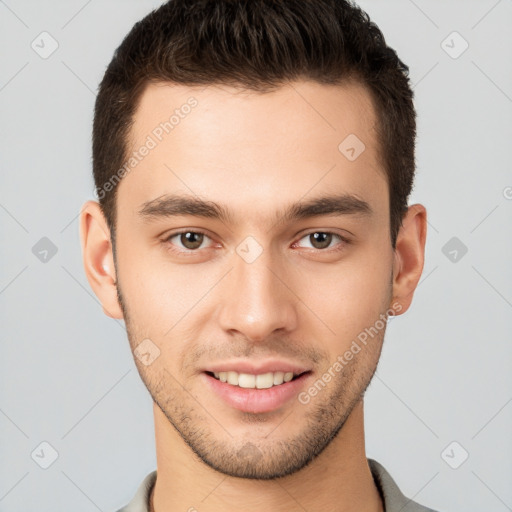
column 98, row 258
column 409, row 256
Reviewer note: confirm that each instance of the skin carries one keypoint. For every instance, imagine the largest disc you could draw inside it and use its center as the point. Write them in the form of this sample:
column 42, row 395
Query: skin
column 255, row 154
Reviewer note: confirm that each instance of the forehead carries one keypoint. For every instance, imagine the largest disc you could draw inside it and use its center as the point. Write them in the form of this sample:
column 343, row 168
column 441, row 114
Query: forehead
column 249, row 148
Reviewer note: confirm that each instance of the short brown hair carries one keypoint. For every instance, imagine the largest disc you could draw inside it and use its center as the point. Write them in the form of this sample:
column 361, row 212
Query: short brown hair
column 259, row 45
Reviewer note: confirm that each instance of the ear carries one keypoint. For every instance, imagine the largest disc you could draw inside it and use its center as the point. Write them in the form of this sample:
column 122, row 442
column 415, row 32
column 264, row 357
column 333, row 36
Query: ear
column 98, row 258
column 409, row 257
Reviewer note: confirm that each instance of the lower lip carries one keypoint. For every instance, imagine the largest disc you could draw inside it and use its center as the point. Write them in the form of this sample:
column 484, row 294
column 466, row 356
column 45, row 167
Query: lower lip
column 257, row 400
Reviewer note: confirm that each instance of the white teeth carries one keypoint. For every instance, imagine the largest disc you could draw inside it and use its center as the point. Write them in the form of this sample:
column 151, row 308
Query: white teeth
column 245, row 380
column 250, row 381
column 278, row 378
column 265, row 380
column 288, row 376
column 233, row 378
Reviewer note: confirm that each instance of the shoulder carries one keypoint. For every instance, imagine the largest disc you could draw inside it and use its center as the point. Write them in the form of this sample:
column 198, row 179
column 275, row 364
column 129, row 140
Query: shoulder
column 394, row 500
column 140, row 500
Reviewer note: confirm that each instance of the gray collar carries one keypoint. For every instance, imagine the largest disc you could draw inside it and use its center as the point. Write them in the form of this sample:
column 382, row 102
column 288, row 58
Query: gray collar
column 392, row 497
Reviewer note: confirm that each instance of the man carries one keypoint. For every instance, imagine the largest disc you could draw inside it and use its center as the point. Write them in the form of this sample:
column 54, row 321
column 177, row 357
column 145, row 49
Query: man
column 253, row 162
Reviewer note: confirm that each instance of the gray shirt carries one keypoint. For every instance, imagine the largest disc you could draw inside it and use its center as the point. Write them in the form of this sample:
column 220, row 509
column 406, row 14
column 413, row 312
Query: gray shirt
column 394, row 500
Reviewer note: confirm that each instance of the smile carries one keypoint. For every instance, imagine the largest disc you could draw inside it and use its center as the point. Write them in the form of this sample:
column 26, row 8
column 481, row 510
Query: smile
column 251, row 381
column 256, row 393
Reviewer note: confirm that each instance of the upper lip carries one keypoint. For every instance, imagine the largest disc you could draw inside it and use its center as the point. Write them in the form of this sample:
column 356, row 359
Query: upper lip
column 257, row 368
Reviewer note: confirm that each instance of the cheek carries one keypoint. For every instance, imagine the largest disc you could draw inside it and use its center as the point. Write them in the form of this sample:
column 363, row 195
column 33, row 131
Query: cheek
column 161, row 297
column 349, row 297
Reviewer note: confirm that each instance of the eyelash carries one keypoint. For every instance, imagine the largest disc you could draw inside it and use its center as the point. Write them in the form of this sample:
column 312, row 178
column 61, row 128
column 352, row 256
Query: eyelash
column 191, row 252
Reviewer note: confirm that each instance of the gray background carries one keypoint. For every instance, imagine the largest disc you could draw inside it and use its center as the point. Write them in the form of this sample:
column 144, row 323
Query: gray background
column 67, row 374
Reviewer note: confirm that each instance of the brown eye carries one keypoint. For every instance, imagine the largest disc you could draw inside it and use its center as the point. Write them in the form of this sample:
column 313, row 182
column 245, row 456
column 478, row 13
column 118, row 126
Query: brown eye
column 320, row 240
column 191, row 240
column 324, row 241
column 186, row 241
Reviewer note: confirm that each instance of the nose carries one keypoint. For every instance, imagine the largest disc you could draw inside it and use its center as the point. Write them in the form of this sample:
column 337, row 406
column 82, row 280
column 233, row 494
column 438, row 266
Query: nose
column 258, row 298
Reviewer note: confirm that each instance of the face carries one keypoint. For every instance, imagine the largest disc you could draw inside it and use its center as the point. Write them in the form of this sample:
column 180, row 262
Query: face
column 283, row 262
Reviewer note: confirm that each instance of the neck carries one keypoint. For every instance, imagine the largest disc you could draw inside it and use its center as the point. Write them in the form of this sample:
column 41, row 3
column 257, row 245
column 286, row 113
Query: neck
column 340, row 475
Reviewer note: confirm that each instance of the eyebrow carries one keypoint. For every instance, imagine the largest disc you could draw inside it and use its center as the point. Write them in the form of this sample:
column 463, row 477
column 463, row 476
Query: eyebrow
column 170, row 205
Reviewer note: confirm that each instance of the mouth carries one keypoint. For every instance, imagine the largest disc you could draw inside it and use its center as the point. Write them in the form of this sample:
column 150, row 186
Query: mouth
column 256, row 392
column 255, row 381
